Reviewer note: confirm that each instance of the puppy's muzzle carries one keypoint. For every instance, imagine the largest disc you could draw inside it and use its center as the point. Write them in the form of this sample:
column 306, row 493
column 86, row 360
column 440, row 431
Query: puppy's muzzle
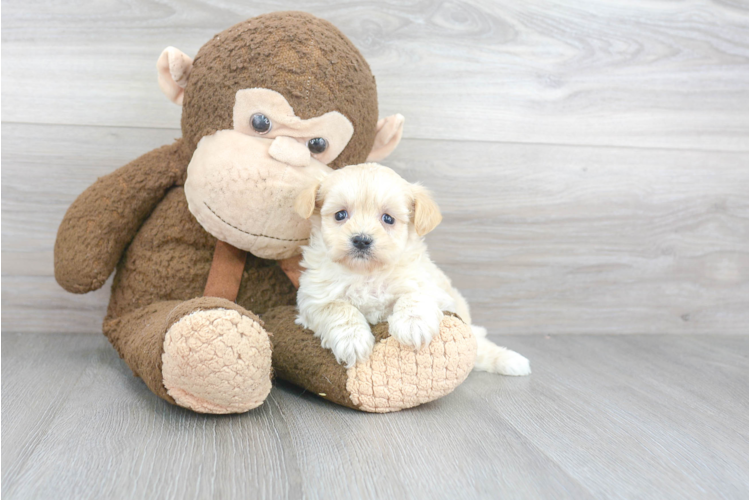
column 362, row 242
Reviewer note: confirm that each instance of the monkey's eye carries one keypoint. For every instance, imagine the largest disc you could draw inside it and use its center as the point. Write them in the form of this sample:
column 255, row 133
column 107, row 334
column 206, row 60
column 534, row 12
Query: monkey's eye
column 341, row 215
column 317, row 145
column 260, row 123
column 388, row 219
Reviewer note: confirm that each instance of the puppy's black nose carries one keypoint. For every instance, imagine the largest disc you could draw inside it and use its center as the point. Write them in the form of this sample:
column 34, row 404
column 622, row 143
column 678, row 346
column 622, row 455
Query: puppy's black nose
column 361, row 242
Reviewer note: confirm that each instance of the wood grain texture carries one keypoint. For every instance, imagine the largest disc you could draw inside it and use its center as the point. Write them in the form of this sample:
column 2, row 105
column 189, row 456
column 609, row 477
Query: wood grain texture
column 30, row 395
column 652, row 417
column 540, row 238
column 640, row 74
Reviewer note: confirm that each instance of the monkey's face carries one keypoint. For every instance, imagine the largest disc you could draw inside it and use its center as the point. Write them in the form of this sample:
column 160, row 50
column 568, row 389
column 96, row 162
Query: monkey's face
column 242, row 182
column 269, row 106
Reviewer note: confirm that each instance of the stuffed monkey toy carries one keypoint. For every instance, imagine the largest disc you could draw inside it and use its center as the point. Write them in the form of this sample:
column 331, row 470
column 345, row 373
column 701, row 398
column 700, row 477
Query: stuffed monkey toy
column 204, row 240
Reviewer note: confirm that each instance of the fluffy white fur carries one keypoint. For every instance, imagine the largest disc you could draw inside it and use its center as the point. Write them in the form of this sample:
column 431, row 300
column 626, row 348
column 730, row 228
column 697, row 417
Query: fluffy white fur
column 345, row 289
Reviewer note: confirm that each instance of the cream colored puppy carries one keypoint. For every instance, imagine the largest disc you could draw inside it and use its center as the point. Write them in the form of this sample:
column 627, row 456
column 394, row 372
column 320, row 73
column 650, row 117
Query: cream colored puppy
column 367, row 262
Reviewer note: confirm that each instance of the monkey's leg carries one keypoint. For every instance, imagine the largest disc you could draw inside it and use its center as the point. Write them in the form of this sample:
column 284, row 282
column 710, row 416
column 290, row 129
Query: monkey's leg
column 206, row 354
column 393, row 378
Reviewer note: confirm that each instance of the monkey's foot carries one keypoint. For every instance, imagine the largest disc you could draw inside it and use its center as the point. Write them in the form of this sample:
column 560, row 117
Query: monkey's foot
column 217, row 361
column 393, row 378
column 397, row 377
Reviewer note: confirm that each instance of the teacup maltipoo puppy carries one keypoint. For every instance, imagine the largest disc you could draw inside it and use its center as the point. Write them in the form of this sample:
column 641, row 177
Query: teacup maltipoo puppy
column 367, row 262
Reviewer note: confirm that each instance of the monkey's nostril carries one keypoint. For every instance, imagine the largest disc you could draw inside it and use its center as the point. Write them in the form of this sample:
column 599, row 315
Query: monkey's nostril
column 290, row 151
column 361, row 242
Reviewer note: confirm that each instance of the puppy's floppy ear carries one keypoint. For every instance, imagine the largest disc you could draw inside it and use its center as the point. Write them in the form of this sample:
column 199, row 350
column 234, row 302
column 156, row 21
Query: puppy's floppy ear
column 426, row 212
column 304, row 205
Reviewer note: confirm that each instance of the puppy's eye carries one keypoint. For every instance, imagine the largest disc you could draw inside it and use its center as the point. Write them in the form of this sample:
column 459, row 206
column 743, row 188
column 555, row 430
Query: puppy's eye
column 317, row 145
column 388, row 219
column 260, row 123
column 341, row 215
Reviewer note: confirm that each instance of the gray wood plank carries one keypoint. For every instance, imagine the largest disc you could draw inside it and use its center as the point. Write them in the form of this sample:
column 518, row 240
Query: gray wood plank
column 32, row 304
column 415, row 453
column 114, row 439
column 540, row 238
column 661, row 74
column 32, row 402
column 665, row 404
column 549, row 239
column 601, row 417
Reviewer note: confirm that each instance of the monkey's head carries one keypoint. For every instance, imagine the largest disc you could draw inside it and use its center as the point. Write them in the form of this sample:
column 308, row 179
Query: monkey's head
column 269, row 106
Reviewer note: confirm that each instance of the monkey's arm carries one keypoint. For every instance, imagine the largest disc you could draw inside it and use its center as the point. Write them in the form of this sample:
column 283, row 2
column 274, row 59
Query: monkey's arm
column 103, row 220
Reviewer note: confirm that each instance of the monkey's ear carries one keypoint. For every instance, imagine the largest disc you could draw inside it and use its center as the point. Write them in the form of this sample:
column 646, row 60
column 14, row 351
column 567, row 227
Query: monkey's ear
column 426, row 212
column 304, row 205
column 387, row 136
column 174, row 69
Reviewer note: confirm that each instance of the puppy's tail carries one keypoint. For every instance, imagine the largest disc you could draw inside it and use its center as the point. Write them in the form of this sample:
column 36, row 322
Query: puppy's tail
column 479, row 332
column 495, row 359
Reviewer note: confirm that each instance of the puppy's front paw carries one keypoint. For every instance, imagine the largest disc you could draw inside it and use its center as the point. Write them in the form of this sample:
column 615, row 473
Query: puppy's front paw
column 415, row 328
column 350, row 344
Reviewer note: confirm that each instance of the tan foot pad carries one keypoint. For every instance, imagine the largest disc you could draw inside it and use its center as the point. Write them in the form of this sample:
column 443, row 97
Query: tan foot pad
column 396, row 377
column 217, row 361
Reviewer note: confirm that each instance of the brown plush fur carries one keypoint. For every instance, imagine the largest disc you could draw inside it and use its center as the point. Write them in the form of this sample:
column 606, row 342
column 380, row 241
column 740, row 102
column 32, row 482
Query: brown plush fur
column 306, row 59
column 136, row 219
column 105, row 218
column 170, row 257
column 298, row 358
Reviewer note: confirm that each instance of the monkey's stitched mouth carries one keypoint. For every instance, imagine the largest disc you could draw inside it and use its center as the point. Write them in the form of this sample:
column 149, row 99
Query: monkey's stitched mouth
column 247, row 232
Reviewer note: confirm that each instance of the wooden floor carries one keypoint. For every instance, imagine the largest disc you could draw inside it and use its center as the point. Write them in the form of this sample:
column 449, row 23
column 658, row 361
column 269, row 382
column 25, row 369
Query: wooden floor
column 646, row 417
